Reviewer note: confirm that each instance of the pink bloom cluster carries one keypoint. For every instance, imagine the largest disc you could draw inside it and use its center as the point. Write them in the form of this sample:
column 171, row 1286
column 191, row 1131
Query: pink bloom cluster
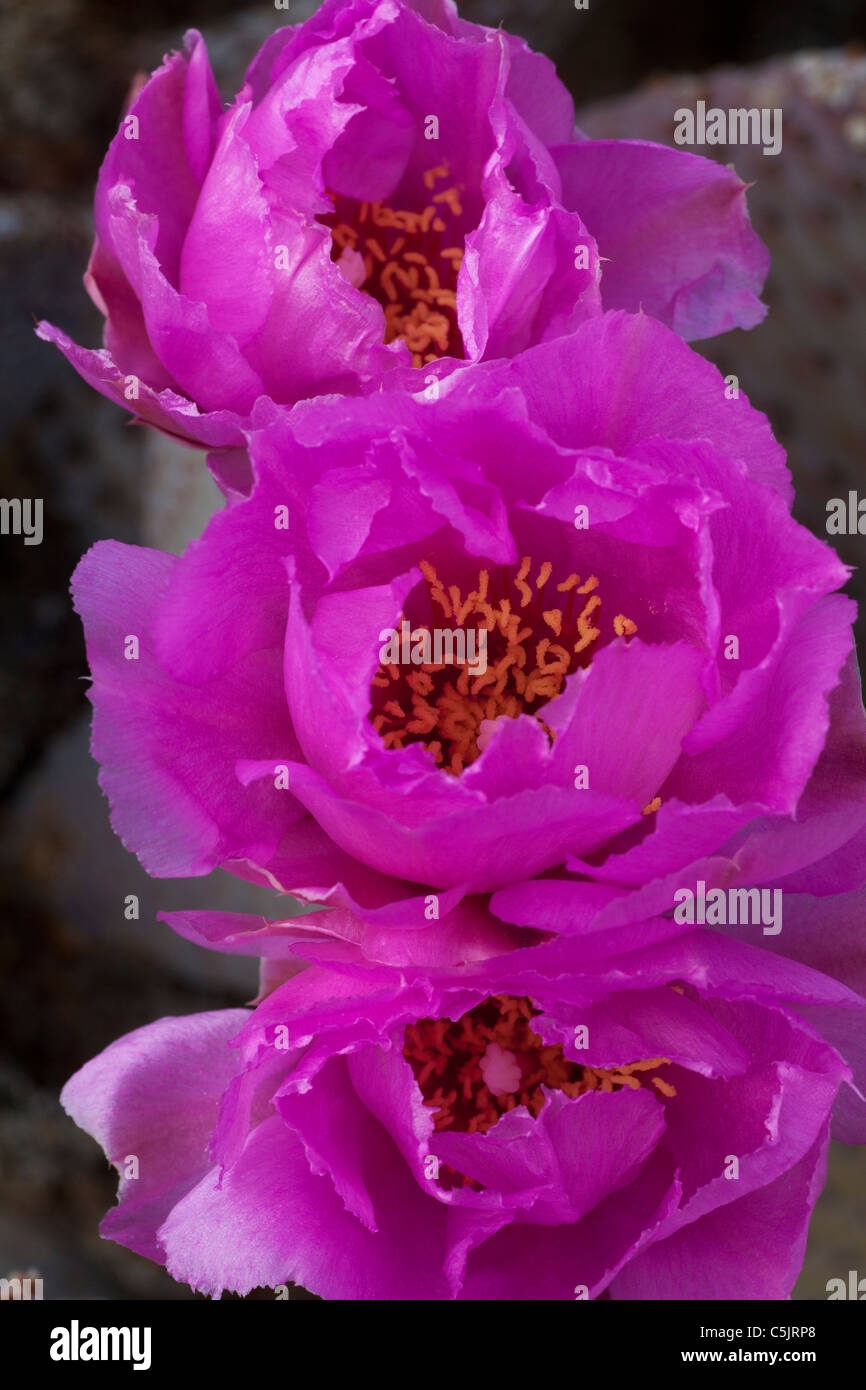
column 434, row 341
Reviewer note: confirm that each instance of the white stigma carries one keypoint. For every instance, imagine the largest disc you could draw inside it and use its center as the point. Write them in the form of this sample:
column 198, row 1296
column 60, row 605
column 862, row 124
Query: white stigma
column 500, row 1070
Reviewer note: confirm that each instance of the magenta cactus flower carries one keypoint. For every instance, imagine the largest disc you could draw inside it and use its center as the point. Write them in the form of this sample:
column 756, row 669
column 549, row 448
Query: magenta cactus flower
column 549, row 1124
column 391, row 186
column 661, row 643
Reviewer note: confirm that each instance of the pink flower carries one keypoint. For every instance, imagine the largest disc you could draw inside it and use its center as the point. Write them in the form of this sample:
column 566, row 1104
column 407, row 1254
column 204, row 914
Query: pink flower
column 392, row 185
column 662, row 1132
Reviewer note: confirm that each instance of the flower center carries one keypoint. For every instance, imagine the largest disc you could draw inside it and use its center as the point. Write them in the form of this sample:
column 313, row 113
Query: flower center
column 511, row 643
column 409, row 262
column 474, row 1071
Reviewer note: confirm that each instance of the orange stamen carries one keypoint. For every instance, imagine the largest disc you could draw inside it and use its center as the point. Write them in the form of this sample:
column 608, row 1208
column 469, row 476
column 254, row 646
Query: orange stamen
column 446, row 1059
column 407, row 267
column 624, row 627
column 444, row 704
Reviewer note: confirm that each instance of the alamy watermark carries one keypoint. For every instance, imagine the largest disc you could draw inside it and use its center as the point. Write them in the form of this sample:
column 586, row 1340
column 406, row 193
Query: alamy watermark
column 722, row 907
column 738, row 126
column 21, row 1288
column 444, row 646
column 76, row 1343
column 22, row 516
column 846, row 517
column 855, row 1288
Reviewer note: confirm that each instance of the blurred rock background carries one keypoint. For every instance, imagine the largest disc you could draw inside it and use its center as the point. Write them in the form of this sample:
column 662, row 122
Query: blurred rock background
column 75, row 974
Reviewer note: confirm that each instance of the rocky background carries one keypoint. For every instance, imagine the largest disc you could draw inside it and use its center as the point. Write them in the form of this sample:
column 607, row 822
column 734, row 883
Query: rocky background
column 75, row 974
